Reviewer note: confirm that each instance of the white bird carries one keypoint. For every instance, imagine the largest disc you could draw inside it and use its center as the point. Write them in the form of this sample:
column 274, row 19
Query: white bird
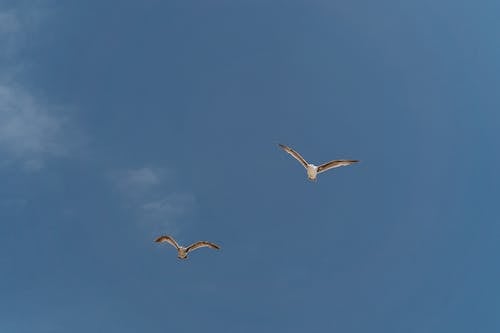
column 313, row 170
column 182, row 251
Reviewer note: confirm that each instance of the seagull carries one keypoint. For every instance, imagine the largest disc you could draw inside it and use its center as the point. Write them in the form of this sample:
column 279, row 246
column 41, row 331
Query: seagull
column 313, row 170
column 182, row 251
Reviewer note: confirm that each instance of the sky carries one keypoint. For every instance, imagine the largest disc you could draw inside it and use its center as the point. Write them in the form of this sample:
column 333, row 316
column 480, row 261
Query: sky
column 120, row 122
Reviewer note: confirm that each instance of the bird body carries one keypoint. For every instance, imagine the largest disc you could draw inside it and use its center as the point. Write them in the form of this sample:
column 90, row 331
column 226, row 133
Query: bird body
column 182, row 251
column 313, row 170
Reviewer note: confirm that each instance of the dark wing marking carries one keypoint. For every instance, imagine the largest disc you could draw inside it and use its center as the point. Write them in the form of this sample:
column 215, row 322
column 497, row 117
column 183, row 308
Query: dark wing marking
column 294, row 154
column 335, row 164
column 167, row 239
column 197, row 245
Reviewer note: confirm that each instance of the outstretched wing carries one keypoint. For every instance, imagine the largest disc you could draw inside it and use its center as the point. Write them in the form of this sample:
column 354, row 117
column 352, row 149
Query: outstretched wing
column 294, row 154
column 168, row 240
column 335, row 164
column 197, row 245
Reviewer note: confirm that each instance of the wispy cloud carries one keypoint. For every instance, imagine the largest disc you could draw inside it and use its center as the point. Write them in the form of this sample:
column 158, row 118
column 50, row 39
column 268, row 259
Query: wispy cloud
column 17, row 26
column 172, row 206
column 9, row 22
column 30, row 130
column 157, row 205
column 26, row 127
column 137, row 181
column 10, row 32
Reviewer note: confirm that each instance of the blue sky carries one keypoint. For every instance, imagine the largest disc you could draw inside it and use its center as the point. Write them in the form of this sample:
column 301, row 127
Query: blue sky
column 121, row 122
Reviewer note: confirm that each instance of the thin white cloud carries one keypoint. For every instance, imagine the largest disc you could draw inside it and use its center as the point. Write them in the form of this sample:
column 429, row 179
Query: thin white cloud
column 10, row 33
column 139, row 184
column 170, row 207
column 141, row 178
column 9, row 22
column 30, row 130
column 17, row 26
column 26, row 127
column 146, row 191
column 168, row 214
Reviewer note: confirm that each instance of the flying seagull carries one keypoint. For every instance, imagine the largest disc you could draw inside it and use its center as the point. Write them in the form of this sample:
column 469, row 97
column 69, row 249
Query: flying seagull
column 313, row 170
column 182, row 251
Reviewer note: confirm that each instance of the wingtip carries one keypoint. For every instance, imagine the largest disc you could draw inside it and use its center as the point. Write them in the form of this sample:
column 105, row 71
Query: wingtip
column 158, row 240
column 215, row 246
